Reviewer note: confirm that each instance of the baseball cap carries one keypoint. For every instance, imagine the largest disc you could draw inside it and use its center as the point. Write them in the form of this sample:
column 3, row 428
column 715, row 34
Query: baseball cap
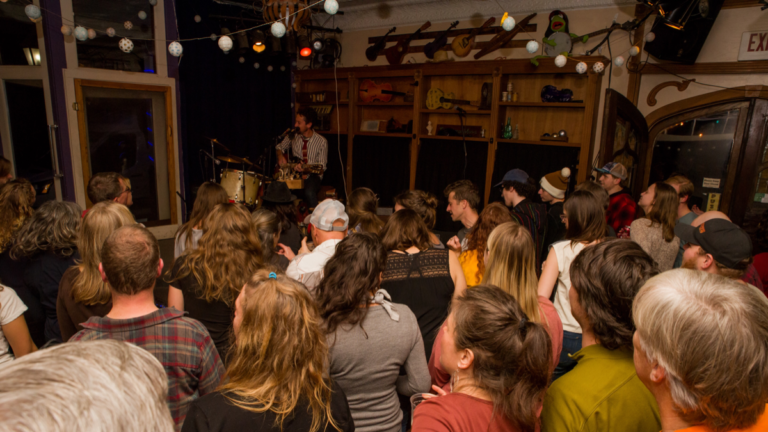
column 615, row 169
column 328, row 212
column 724, row 240
column 517, row 175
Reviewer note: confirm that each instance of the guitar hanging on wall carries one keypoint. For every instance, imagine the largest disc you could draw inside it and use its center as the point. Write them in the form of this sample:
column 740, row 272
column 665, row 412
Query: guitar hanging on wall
column 462, row 45
column 373, row 51
column 395, row 54
column 436, row 45
column 370, row 91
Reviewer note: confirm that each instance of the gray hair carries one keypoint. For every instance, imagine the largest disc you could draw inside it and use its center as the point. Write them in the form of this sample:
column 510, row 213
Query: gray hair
column 87, row 387
column 710, row 334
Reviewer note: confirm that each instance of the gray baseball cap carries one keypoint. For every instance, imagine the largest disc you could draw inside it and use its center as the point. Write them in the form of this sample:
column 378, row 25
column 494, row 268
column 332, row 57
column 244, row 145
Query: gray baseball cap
column 326, row 213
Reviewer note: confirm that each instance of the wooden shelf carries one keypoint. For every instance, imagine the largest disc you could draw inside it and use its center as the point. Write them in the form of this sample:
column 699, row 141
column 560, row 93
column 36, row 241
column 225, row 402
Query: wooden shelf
column 333, row 132
column 453, row 111
column 386, row 104
column 385, row 134
column 453, row 138
column 545, row 104
column 548, row 143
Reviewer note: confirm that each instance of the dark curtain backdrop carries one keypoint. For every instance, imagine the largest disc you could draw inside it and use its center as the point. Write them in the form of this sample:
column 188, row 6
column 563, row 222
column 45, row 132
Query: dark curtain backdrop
column 243, row 107
column 333, row 173
column 441, row 162
column 381, row 164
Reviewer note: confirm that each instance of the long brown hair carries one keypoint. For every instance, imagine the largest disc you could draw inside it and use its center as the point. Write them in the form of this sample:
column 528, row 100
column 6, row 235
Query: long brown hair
column 228, row 253
column 403, row 230
column 16, row 200
column 423, row 203
column 512, row 354
column 350, row 276
column 362, row 207
column 267, row 226
column 477, row 239
column 586, row 218
column 209, row 195
column 512, row 266
column 53, row 228
column 664, row 210
column 101, row 220
column 280, row 354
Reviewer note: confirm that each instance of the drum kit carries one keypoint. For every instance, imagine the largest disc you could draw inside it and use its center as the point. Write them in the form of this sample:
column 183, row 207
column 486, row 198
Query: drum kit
column 242, row 186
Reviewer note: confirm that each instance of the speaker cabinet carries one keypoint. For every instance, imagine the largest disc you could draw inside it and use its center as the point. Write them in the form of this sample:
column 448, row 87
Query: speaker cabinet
column 683, row 45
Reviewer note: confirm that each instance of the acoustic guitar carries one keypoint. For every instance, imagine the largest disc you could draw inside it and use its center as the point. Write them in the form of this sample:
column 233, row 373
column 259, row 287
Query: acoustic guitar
column 462, row 45
column 484, row 103
column 436, row 45
column 370, row 91
column 435, row 98
column 395, row 54
column 372, row 52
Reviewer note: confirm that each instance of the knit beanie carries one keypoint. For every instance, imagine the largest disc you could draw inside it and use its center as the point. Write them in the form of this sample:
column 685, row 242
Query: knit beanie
column 555, row 183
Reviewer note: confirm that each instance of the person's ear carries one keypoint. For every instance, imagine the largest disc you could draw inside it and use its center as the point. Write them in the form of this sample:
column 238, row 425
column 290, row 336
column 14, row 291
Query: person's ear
column 160, row 267
column 707, row 262
column 466, row 359
column 101, row 272
column 658, row 373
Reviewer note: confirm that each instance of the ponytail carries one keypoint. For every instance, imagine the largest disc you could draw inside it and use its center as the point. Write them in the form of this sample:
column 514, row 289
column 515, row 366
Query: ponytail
column 512, row 354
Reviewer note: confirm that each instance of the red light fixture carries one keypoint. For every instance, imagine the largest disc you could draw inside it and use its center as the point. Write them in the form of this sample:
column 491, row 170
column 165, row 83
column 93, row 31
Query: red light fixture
column 306, row 52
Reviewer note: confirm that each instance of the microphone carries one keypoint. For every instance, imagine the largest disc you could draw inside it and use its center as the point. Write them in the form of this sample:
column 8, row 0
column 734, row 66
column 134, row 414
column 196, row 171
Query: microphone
column 216, row 161
column 285, row 134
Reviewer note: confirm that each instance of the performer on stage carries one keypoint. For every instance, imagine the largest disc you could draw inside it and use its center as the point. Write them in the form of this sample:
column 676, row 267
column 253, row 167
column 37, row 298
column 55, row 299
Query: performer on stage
column 308, row 146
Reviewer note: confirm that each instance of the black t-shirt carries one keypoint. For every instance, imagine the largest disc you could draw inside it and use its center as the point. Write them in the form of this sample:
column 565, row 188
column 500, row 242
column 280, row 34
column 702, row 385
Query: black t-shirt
column 215, row 413
column 291, row 238
column 555, row 227
column 42, row 276
column 216, row 316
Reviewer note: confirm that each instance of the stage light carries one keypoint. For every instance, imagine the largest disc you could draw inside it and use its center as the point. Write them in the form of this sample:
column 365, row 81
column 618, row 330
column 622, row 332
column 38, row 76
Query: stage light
column 318, row 45
column 258, row 37
column 259, row 48
column 306, row 52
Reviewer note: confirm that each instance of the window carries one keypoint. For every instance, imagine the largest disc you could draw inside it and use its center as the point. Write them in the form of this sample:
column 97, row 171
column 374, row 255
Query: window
column 18, row 37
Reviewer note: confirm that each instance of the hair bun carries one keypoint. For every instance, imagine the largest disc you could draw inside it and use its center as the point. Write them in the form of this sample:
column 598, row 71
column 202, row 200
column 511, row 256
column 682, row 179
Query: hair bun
column 565, row 172
column 430, row 200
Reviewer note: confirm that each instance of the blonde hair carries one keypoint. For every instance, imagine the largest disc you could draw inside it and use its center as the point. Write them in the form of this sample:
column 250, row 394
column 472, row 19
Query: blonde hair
column 100, row 221
column 511, row 266
column 710, row 334
column 684, row 185
column 227, row 254
column 280, row 355
column 16, row 200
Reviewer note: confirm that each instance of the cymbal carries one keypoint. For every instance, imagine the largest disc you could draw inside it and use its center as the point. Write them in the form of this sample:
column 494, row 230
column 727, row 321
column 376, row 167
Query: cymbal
column 233, row 159
column 215, row 141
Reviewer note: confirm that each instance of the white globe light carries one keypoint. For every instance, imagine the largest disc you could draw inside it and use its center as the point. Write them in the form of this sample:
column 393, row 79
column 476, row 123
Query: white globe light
column 508, row 24
column 581, row 67
column 66, row 30
column 91, row 34
column 126, row 45
column 256, row 65
column 282, row 68
column 532, row 46
column 197, row 18
column 560, row 60
column 142, row 15
column 225, row 43
column 214, row 36
column 175, row 49
column 635, row 50
column 128, row 25
column 293, row 63
column 153, row 2
column 619, row 61
column 241, row 59
column 331, row 7
column 33, row 12
column 598, row 67
column 650, row 37
column 278, row 29
column 270, row 68
column 81, row 33
column 111, row 32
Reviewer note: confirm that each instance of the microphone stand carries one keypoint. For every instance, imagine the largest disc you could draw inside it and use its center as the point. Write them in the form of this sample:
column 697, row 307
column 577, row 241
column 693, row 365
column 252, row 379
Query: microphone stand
column 213, row 165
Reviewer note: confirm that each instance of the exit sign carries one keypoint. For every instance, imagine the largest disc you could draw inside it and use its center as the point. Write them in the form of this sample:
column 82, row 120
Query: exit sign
column 754, row 45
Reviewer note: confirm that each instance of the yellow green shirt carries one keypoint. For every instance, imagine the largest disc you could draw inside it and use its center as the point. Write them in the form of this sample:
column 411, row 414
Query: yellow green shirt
column 602, row 393
column 469, row 263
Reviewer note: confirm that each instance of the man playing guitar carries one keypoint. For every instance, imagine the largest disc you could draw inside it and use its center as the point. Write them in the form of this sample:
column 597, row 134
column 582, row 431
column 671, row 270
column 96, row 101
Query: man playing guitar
column 311, row 148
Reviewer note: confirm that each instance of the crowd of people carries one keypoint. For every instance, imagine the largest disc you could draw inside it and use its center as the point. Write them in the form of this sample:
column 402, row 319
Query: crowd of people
column 550, row 310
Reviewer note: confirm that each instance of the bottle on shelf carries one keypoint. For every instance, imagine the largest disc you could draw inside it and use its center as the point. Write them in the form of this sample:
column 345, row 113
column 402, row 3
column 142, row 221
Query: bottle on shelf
column 507, row 134
column 516, row 133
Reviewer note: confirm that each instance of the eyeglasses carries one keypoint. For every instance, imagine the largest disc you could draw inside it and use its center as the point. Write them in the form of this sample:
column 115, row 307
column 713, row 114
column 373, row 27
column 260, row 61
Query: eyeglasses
column 128, row 190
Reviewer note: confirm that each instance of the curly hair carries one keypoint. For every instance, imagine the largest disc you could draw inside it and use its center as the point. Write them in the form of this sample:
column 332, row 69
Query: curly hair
column 477, row 239
column 350, row 276
column 53, row 228
column 423, row 203
column 16, row 200
column 606, row 277
column 280, row 356
column 228, row 253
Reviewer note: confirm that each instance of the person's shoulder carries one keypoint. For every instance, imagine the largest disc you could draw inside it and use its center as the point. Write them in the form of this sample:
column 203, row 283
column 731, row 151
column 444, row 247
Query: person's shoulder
column 197, row 328
column 406, row 314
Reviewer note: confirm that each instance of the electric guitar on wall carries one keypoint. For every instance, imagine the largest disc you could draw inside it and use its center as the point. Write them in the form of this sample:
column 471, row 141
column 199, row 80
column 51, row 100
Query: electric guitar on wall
column 463, row 44
column 372, row 52
column 396, row 53
column 436, row 45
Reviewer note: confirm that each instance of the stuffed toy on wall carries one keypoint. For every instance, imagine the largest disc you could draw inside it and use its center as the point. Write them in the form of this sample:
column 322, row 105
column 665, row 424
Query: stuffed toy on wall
column 557, row 39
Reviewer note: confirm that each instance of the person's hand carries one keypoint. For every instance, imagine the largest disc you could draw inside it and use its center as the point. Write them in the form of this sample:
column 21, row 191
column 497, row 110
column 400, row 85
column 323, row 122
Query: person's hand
column 454, row 244
column 298, row 168
column 438, row 390
column 304, row 248
column 285, row 251
column 697, row 210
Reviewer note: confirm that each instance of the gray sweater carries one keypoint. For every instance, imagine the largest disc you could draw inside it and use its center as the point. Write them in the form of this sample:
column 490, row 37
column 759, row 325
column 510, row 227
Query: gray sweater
column 651, row 239
column 368, row 368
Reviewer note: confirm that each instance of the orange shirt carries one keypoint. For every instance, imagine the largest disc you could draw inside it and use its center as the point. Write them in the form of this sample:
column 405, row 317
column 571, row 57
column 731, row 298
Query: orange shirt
column 760, row 426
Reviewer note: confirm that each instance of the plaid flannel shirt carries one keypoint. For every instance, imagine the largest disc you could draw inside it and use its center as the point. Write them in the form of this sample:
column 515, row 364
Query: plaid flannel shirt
column 182, row 345
column 621, row 211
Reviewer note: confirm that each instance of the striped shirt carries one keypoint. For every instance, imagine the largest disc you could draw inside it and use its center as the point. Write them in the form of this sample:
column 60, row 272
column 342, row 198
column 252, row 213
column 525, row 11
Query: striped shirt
column 182, row 345
column 317, row 148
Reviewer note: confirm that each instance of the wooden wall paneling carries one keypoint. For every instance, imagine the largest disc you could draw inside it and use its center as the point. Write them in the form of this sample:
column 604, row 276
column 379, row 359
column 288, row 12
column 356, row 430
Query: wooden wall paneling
column 171, row 161
column 592, row 100
column 750, row 162
column 83, row 133
column 492, row 133
column 419, row 95
column 739, row 142
column 351, row 116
